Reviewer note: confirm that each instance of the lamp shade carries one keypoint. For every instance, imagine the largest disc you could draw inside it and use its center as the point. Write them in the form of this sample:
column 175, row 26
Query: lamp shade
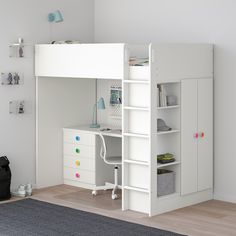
column 55, row 16
column 101, row 104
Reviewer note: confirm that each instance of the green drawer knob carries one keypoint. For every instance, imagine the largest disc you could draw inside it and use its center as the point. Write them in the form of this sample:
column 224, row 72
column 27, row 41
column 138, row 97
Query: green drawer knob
column 77, row 150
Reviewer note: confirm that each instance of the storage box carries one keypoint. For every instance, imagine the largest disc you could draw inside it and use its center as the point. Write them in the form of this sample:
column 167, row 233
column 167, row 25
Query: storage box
column 165, row 182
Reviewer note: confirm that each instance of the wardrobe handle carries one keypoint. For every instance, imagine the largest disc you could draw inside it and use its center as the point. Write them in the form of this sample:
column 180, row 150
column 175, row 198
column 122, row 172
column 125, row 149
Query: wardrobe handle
column 196, row 135
column 202, row 134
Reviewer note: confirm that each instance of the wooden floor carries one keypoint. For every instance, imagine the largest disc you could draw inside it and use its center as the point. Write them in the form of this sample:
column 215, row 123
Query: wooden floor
column 208, row 218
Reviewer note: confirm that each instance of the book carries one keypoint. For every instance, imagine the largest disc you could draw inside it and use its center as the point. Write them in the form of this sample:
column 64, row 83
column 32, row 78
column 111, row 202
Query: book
column 158, row 97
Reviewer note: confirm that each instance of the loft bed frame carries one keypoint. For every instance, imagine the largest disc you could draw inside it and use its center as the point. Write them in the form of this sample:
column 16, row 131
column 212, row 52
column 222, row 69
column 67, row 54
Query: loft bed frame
column 56, row 66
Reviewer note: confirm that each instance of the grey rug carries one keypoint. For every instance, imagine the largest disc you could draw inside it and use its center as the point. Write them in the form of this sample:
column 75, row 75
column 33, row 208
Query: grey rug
column 32, row 217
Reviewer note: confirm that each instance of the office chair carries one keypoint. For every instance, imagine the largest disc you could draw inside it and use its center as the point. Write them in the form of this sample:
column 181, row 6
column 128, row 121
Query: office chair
column 110, row 160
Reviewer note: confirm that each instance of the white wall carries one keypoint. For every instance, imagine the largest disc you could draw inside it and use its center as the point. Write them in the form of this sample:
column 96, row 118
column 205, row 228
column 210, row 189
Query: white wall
column 28, row 19
column 211, row 21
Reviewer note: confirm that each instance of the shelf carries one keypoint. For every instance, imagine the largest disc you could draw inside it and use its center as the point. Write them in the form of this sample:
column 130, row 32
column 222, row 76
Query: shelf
column 168, row 196
column 116, row 117
column 168, row 132
column 143, row 163
column 168, row 82
column 143, row 190
column 159, row 165
column 136, row 135
column 136, row 108
column 168, row 107
column 136, row 81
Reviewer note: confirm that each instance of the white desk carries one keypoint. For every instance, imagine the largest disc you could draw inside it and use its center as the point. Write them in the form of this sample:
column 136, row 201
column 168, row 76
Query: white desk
column 113, row 132
column 83, row 166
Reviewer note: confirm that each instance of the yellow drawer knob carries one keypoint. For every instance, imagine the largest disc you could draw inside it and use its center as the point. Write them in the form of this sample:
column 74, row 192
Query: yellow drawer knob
column 77, row 163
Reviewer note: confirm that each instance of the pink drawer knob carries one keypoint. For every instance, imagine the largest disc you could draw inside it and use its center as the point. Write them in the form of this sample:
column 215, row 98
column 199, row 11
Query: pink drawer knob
column 77, row 175
column 202, row 135
column 196, row 135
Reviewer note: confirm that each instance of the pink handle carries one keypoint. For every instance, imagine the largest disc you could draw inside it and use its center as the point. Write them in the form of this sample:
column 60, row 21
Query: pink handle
column 77, row 175
column 196, row 135
column 202, row 135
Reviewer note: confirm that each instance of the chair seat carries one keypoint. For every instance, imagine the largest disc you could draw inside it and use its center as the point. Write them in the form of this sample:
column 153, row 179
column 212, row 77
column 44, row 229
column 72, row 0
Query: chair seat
column 116, row 160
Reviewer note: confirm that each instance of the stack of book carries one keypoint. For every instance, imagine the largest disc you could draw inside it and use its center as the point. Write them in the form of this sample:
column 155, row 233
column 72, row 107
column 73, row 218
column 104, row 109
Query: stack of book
column 165, row 158
column 161, row 96
column 136, row 61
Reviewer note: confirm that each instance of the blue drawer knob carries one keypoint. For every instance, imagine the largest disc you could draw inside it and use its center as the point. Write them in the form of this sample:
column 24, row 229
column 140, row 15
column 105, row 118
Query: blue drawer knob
column 77, row 138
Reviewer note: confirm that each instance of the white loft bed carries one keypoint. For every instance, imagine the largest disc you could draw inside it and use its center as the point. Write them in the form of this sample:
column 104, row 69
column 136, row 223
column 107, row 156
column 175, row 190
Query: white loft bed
column 60, row 100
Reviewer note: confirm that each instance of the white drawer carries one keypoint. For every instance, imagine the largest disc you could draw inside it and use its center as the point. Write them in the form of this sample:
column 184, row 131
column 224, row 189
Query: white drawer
column 81, row 163
column 79, row 175
column 78, row 137
column 79, row 150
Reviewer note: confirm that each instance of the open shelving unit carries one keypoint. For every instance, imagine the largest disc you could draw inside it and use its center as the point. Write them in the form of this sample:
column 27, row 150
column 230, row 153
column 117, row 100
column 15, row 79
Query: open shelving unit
column 169, row 141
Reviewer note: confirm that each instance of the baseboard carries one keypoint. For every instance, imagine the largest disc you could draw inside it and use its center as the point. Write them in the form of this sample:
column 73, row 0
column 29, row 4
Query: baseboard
column 224, row 197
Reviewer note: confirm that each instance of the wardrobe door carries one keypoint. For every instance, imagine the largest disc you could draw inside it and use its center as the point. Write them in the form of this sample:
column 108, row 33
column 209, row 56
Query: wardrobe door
column 205, row 129
column 189, row 136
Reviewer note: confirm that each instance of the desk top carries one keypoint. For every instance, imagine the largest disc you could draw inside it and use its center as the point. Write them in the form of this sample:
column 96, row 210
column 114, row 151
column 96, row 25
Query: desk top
column 113, row 132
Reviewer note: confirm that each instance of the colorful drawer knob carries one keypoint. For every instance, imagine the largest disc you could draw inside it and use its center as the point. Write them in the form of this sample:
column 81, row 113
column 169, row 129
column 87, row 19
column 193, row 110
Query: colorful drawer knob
column 202, row 135
column 77, row 138
column 196, row 135
column 77, row 163
column 77, row 175
column 77, row 150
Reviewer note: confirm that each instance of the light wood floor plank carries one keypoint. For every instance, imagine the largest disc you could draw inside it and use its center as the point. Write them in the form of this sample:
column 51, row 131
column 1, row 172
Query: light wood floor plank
column 211, row 218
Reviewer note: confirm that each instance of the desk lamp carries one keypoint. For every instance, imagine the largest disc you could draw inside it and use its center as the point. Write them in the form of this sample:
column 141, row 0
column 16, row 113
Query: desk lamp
column 100, row 105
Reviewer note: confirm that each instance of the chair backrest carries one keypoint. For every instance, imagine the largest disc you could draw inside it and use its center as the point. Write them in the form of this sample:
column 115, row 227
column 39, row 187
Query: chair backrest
column 103, row 150
column 111, row 160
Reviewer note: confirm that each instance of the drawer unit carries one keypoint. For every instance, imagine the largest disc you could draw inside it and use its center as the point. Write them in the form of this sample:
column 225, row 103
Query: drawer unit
column 79, row 175
column 81, row 163
column 79, row 150
column 78, row 137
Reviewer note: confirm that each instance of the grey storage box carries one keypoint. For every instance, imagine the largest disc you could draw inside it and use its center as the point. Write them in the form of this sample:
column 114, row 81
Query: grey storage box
column 165, row 182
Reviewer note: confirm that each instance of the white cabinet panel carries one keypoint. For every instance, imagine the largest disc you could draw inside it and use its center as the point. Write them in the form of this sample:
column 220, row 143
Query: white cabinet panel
column 79, row 175
column 76, row 137
column 197, row 151
column 79, row 150
column 205, row 128
column 188, row 139
column 104, row 61
column 79, row 163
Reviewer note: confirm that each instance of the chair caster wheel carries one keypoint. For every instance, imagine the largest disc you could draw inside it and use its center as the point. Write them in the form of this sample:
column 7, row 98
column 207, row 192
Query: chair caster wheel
column 114, row 196
column 94, row 193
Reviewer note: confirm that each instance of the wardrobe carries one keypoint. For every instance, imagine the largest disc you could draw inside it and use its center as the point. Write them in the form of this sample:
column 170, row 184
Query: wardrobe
column 197, row 135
